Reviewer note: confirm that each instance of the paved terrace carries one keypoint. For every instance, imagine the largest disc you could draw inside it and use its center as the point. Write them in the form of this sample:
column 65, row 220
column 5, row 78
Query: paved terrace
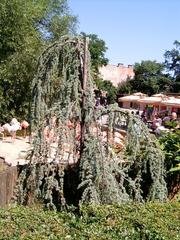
column 14, row 152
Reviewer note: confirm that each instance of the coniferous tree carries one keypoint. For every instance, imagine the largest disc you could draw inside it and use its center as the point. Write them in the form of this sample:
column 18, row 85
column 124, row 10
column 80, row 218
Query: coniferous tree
column 104, row 176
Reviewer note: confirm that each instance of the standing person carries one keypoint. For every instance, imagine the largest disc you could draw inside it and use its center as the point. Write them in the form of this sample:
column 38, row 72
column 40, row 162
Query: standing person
column 105, row 102
column 97, row 102
column 144, row 116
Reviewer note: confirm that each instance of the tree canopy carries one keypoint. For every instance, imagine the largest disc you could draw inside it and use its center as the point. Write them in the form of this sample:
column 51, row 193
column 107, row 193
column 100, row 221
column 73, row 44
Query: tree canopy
column 97, row 48
column 26, row 27
column 149, row 78
column 108, row 87
column 172, row 63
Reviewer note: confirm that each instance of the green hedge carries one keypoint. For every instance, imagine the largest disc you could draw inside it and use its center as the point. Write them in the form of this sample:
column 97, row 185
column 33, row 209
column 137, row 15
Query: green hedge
column 149, row 221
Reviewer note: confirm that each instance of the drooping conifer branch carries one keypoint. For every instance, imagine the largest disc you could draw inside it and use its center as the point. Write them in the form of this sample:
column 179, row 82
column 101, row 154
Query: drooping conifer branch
column 109, row 171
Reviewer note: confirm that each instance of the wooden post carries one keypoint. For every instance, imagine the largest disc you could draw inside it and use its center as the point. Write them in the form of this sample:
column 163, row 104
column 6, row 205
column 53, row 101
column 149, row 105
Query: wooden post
column 8, row 178
column 84, row 88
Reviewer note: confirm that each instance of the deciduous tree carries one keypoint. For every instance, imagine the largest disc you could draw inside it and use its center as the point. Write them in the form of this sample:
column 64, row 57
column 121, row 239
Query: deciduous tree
column 172, row 63
column 149, row 78
column 108, row 87
column 97, row 48
column 26, row 27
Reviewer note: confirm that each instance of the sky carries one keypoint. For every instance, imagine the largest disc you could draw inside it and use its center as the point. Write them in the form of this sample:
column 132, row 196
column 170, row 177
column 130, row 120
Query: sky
column 133, row 30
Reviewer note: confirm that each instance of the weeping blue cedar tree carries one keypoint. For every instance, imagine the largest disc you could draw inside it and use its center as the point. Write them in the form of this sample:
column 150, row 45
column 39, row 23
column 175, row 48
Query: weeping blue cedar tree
column 103, row 176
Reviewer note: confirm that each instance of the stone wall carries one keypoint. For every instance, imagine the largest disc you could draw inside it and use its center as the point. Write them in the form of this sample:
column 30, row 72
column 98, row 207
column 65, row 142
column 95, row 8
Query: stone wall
column 116, row 74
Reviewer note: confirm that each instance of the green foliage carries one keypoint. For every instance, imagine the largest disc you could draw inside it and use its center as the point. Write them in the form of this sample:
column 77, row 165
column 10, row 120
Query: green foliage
column 97, row 48
column 108, row 87
column 174, row 169
column 19, row 46
column 125, row 87
column 146, row 222
column 172, row 124
column 57, row 20
column 25, row 28
column 172, row 63
column 57, row 91
column 137, row 173
column 103, row 176
column 99, row 174
column 171, row 146
column 149, row 78
column 149, row 221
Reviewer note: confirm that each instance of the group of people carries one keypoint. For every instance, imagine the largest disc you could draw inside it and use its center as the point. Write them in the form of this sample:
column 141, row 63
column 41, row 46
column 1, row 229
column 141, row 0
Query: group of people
column 163, row 122
column 12, row 127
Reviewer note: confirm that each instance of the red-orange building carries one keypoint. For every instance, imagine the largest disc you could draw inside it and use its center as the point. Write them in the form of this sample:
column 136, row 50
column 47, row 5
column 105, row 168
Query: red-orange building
column 116, row 74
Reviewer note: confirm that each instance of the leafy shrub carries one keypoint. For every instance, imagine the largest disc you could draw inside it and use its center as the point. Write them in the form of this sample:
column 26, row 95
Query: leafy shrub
column 136, row 221
column 171, row 146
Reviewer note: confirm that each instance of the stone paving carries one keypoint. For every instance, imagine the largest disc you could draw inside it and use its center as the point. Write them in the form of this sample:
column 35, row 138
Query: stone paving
column 14, row 152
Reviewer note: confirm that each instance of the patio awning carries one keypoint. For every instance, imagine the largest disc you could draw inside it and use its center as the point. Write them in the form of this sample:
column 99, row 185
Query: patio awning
column 159, row 95
column 130, row 98
column 150, row 100
column 172, row 102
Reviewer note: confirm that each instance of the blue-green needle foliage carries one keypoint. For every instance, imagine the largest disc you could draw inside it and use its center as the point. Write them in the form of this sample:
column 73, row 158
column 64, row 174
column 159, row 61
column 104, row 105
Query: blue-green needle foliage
column 103, row 176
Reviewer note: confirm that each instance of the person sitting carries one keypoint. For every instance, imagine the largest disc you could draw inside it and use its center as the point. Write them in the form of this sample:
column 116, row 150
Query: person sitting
column 173, row 116
column 175, row 120
column 166, row 119
column 157, row 126
column 157, row 122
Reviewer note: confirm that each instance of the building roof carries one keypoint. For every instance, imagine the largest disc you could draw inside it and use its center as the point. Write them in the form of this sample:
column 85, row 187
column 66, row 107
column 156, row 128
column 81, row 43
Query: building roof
column 150, row 100
column 133, row 97
column 128, row 98
column 159, row 95
column 172, row 102
column 156, row 98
